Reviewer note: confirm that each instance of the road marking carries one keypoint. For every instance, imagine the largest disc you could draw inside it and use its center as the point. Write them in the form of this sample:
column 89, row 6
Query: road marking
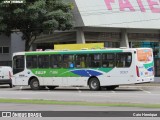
column 113, row 91
column 78, row 89
column 145, row 91
column 21, row 87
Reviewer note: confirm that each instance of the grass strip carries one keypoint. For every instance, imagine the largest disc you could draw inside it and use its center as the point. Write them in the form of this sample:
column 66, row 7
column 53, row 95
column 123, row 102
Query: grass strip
column 53, row 102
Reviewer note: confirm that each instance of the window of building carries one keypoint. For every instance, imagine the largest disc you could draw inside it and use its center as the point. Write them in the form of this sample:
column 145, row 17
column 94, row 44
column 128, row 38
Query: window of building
column 123, row 59
column 108, row 60
column 4, row 50
column 55, row 61
column 94, row 60
column 43, row 61
column 111, row 44
column 31, row 61
column 81, row 61
column 1, row 50
column 68, row 61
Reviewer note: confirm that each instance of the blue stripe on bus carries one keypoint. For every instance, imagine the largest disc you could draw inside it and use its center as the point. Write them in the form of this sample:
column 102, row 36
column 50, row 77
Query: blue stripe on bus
column 150, row 69
column 86, row 73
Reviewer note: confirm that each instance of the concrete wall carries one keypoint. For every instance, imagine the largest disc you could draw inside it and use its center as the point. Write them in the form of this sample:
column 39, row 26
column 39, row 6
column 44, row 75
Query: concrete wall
column 77, row 18
column 114, row 14
column 5, row 41
column 17, row 44
column 157, row 79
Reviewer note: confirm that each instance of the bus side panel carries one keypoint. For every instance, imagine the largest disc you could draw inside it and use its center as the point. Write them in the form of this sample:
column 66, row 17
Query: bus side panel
column 47, row 80
column 104, row 81
column 57, row 81
column 119, row 76
column 77, row 81
column 52, row 81
column 22, row 78
column 65, row 81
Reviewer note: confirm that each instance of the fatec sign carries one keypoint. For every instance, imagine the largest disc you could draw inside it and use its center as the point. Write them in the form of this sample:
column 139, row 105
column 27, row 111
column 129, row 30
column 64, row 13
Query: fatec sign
column 120, row 13
column 79, row 46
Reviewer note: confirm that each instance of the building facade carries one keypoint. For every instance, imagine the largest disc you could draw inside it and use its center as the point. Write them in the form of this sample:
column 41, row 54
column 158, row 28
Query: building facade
column 117, row 23
column 9, row 45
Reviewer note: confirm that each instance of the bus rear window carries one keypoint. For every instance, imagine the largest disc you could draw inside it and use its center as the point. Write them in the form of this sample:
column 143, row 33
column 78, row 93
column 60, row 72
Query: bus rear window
column 144, row 55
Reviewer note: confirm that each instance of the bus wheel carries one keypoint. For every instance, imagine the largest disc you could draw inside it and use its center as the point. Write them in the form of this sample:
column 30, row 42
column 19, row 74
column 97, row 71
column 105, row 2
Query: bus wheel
column 94, row 84
column 34, row 84
column 51, row 87
column 111, row 87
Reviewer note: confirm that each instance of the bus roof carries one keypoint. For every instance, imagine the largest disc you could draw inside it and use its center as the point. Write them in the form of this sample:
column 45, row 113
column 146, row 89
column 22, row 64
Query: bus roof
column 106, row 50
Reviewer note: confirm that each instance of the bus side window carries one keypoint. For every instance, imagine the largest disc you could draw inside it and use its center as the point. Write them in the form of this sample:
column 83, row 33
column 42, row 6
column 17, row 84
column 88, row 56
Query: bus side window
column 123, row 59
column 120, row 60
column 95, row 60
column 128, row 60
column 81, row 61
column 108, row 60
column 43, row 61
column 31, row 61
column 55, row 61
column 68, row 61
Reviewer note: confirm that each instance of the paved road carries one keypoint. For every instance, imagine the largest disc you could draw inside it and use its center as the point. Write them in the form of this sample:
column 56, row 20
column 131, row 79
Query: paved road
column 129, row 94
column 157, row 79
column 64, row 109
column 35, row 107
column 106, row 110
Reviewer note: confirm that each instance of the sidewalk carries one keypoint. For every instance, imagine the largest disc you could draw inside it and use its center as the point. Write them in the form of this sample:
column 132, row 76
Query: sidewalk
column 157, row 79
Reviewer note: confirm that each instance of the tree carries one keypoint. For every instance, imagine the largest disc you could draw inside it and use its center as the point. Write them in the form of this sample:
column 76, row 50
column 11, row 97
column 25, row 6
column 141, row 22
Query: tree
column 32, row 17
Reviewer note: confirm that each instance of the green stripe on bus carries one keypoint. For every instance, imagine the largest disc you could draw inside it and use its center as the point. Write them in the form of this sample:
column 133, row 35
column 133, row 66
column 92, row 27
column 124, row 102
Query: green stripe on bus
column 148, row 65
column 61, row 72
column 91, row 52
column 40, row 53
column 73, row 52
column 106, row 70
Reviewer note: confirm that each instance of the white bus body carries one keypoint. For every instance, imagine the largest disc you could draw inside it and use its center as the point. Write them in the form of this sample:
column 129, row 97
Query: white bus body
column 115, row 67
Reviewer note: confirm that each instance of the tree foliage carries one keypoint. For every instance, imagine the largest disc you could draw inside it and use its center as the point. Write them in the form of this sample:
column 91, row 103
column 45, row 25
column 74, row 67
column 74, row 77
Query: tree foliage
column 33, row 17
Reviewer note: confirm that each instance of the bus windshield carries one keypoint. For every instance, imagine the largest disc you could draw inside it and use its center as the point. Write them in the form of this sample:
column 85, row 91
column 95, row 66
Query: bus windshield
column 144, row 55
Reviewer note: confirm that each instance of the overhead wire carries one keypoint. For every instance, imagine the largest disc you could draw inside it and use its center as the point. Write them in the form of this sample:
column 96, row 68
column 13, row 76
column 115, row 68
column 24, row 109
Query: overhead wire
column 145, row 20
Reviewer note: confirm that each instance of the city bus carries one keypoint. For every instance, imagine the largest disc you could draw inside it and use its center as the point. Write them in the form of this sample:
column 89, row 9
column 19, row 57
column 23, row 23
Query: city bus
column 97, row 68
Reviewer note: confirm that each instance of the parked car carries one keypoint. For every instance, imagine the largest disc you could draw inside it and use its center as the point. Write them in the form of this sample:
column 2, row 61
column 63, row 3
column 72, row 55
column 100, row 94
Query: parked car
column 5, row 75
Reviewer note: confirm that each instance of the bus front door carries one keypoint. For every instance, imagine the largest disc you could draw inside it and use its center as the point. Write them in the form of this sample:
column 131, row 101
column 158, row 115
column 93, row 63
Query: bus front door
column 19, row 74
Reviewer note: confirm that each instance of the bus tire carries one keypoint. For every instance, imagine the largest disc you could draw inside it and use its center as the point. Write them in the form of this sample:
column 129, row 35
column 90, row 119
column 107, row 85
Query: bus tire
column 34, row 84
column 51, row 87
column 94, row 84
column 111, row 87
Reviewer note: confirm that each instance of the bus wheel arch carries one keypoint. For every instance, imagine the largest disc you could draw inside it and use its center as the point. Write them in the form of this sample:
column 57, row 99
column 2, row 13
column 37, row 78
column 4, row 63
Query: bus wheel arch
column 93, row 83
column 34, row 83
